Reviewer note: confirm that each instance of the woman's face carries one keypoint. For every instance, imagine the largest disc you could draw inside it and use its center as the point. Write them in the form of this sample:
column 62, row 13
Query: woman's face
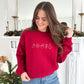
column 41, row 21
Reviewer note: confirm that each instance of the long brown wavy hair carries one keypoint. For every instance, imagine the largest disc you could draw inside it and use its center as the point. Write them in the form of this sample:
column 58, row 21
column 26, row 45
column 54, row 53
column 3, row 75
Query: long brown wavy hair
column 54, row 25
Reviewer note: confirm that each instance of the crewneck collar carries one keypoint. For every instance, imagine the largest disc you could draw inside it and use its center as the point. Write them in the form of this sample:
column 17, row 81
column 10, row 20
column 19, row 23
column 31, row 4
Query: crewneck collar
column 42, row 31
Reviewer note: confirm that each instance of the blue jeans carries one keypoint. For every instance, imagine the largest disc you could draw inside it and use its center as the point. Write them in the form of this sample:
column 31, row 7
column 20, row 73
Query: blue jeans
column 50, row 79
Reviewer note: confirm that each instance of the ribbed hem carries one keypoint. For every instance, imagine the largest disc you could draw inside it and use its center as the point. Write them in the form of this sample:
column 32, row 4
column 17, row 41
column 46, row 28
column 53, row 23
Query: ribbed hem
column 44, row 75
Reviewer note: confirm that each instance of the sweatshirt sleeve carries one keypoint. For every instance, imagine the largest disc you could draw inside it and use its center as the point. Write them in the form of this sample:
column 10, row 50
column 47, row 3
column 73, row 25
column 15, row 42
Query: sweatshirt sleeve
column 67, row 48
column 20, row 54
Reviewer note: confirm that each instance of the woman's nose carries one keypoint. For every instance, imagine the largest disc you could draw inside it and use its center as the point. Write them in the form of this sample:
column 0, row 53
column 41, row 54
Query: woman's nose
column 40, row 21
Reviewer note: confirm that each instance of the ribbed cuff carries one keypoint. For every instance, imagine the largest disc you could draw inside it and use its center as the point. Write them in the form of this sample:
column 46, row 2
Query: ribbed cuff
column 19, row 72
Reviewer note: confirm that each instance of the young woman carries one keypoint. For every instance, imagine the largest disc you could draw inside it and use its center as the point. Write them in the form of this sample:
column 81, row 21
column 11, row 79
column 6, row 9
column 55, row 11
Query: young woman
column 42, row 47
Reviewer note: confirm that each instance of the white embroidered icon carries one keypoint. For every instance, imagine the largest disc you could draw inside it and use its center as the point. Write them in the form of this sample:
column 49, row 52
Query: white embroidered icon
column 33, row 46
column 37, row 46
column 49, row 46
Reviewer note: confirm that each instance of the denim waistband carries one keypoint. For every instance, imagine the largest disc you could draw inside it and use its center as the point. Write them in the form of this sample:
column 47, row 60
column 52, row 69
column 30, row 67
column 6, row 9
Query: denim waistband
column 50, row 79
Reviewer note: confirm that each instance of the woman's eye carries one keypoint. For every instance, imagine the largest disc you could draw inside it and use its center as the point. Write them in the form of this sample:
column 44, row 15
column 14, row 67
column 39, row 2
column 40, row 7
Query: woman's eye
column 37, row 18
column 44, row 20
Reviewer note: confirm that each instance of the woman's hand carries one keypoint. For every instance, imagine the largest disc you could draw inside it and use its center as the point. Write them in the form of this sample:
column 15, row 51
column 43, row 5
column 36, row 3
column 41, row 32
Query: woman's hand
column 25, row 77
column 69, row 32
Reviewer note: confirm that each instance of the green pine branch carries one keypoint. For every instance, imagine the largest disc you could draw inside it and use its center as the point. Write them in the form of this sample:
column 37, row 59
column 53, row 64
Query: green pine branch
column 10, row 77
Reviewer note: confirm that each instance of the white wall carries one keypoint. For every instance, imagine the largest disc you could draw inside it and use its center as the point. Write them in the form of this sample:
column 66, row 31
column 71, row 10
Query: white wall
column 77, row 8
column 3, row 16
column 63, row 8
column 7, row 10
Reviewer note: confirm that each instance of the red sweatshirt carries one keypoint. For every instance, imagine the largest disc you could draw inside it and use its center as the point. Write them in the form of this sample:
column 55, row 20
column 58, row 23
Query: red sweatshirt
column 37, row 54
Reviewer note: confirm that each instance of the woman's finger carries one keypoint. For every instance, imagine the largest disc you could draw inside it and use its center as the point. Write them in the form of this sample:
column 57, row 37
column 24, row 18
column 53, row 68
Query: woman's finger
column 69, row 32
column 25, row 77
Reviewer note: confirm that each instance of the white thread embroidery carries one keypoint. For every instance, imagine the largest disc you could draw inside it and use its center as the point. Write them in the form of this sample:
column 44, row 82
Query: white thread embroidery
column 46, row 46
column 37, row 46
column 49, row 46
column 42, row 46
column 33, row 45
